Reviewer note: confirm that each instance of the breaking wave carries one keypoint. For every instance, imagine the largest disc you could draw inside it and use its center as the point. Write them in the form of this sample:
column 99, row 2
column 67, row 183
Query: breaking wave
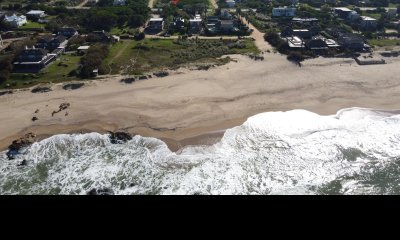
column 356, row 151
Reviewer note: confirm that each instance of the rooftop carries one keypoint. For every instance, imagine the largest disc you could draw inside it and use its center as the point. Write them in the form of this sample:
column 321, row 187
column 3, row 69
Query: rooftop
column 366, row 18
column 34, row 12
column 343, row 9
column 156, row 19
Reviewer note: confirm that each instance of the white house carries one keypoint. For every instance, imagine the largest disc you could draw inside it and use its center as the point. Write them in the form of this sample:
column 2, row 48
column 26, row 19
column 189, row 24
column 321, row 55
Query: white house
column 119, row 3
column 283, row 12
column 15, row 21
column 36, row 14
column 230, row 3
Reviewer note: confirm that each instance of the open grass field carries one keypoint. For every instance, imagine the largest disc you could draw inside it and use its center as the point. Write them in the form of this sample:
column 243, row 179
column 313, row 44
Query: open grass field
column 55, row 72
column 384, row 42
column 138, row 57
column 30, row 25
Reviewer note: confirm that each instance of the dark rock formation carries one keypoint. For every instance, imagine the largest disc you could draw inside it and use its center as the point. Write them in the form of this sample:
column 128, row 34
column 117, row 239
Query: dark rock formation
column 73, row 86
column 161, row 74
column 128, row 80
column 142, row 77
column 119, row 137
column 16, row 145
column 41, row 89
column 23, row 163
column 6, row 92
column 35, row 119
column 62, row 107
column 104, row 191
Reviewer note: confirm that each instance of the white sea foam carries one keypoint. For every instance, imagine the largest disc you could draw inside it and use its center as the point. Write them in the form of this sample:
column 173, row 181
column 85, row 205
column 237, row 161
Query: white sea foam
column 356, row 151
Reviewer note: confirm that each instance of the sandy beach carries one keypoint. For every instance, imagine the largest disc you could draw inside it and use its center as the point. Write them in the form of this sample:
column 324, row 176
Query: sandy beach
column 194, row 107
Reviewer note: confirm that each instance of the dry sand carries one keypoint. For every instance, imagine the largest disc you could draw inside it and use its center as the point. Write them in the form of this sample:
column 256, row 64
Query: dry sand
column 182, row 108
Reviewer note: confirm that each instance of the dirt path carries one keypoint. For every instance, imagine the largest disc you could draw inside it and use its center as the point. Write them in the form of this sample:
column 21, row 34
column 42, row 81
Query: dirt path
column 151, row 3
column 83, row 3
column 258, row 36
column 214, row 3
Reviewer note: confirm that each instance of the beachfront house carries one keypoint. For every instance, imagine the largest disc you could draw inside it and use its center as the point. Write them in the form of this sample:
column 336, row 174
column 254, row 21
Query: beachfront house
column 15, row 21
column 283, row 12
column 351, row 41
column 156, row 24
column 67, row 32
column 178, row 24
column 226, row 25
column 302, row 33
column 195, row 24
column 368, row 23
column 32, row 60
column 35, row 14
column 317, row 44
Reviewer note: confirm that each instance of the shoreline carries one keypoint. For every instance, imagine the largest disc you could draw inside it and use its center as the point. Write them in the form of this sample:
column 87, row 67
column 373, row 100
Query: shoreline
column 193, row 107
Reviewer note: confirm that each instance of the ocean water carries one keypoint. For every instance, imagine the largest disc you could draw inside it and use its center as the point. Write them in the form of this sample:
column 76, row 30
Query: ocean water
column 356, row 151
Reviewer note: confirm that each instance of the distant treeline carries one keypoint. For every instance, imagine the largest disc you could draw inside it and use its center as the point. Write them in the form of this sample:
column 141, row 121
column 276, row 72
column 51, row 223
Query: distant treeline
column 102, row 17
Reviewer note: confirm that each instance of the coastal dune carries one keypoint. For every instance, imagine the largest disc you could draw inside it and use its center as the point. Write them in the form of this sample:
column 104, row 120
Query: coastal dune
column 195, row 106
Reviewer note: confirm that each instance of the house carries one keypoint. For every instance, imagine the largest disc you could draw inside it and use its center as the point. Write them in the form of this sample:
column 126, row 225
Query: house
column 317, row 44
column 305, row 21
column 353, row 16
column 51, row 43
column 230, row 3
column 302, row 33
column 225, row 14
column 283, row 12
column 351, row 41
column 342, row 12
column 15, row 21
column 119, row 3
column 100, row 36
column 35, row 14
column 82, row 50
column 67, row 32
column 32, row 60
column 178, row 23
column 226, row 25
column 195, row 24
column 156, row 24
column 295, row 42
column 368, row 23
column 286, row 32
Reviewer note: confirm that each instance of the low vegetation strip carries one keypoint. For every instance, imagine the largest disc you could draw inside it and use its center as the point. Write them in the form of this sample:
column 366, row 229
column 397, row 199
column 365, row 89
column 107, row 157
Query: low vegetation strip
column 151, row 54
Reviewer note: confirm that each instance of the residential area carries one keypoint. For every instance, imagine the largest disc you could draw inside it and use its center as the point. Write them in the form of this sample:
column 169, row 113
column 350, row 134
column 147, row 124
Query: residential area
column 60, row 41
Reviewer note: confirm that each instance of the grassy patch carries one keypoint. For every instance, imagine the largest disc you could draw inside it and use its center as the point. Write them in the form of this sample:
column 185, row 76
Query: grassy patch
column 55, row 72
column 138, row 57
column 30, row 25
column 384, row 42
